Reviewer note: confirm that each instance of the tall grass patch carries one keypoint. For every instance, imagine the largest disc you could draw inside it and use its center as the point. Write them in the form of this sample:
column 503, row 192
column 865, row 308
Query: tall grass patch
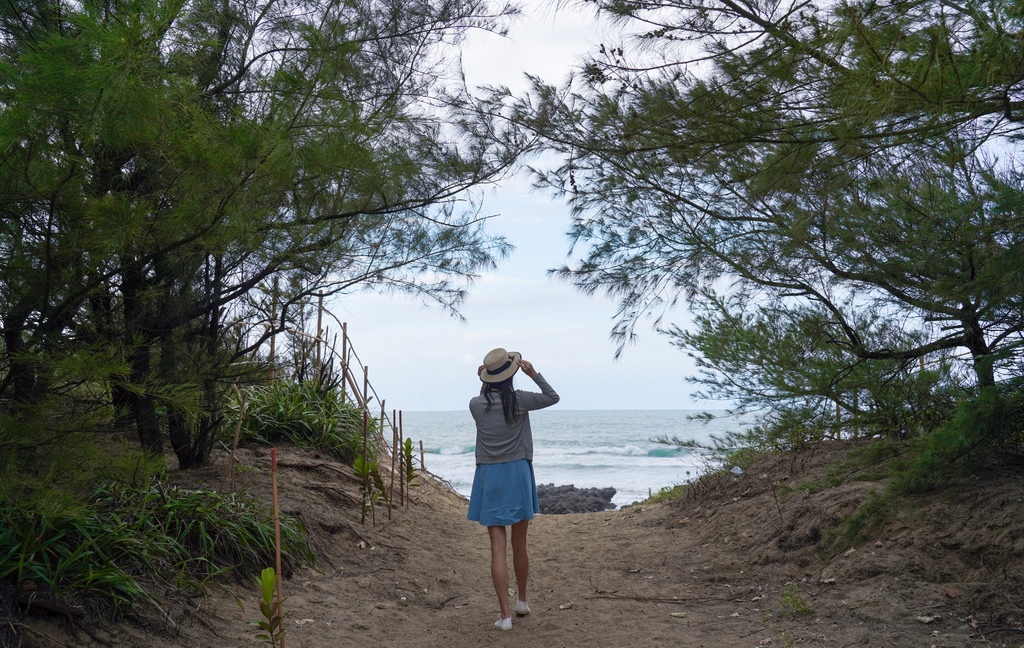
column 115, row 544
column 309, row 414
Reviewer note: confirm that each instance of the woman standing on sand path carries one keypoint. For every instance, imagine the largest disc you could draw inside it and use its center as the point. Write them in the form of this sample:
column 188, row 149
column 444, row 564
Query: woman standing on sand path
column 504, row 488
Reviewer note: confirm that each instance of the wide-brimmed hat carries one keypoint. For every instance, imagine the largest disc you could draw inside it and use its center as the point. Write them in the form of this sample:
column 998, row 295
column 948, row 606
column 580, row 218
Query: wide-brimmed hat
column 499, row 365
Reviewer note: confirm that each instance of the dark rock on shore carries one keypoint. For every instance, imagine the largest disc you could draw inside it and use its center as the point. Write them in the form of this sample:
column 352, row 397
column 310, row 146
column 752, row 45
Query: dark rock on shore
column 569, row 499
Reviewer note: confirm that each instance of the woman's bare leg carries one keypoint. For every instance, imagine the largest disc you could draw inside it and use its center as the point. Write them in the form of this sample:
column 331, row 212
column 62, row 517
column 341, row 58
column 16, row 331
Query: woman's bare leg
column 499, row 567
column 520, row 559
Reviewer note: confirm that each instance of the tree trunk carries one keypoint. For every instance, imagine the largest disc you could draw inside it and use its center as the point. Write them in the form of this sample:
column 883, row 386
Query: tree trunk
column 143, row 405
column 181, row 440
column 981, row 353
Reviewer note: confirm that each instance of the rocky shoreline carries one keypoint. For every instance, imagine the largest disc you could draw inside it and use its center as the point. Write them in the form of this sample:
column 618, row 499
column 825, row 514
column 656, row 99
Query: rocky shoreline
column 556, row 500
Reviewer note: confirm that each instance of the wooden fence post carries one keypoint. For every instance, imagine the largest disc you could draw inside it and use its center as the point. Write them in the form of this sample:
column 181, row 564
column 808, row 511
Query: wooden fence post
column 366, row 385
column 366, row 486
column 319, row 329
column 273, row 324
column 277, row 538
column 394, row 452
column 238, row 434
column 344, row 360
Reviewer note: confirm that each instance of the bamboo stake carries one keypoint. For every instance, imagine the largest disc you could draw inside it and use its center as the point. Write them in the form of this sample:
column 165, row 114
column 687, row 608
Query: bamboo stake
column 423, row 465
column 273, row 335
column 394, row 451
column 366, row 385
column 401, row 463
column 366, row 488
column 319, row 329
column 238, row 434
column 360, row 401
column 344, row 358
column 277, row 537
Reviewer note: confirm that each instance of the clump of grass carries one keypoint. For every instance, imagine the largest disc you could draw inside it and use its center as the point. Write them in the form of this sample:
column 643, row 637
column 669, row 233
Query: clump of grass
column 982, row 428
column 110, row 545
column 309, row 414
column 669, row 493
column 213, row 531
column 793, row 602
column 70, row 551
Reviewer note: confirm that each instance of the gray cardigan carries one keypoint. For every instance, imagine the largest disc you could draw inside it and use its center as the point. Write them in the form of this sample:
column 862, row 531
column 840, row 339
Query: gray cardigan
column 496, row 440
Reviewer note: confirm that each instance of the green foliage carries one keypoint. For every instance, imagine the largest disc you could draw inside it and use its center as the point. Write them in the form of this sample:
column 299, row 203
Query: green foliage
column 371, row 485
column 805, row 390
column 408, row 464
column 169, row 206
column 307, row 414
column 874, row 461
column 992, row 422
column 669, row 493
column 216, row 530
column 875, row 510
column 67, row 463
column 112, row 544
column 987, row 428
column 848, row 238
column 793, row 602
column 272, row 626
column 69, row 551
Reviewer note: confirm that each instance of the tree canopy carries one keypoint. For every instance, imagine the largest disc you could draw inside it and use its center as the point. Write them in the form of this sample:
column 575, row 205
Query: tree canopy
column 840, row 181
column 179, row 178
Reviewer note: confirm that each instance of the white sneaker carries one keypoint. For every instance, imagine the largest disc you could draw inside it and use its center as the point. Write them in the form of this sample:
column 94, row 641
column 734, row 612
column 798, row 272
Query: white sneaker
column 522, row 608
column 503, row 624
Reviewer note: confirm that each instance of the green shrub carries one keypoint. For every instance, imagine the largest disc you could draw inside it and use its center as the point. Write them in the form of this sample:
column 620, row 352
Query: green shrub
column 669, row 494
column 987, row 428
column 67, row 549
column 981, row 428
column 307, row 414
column 122, row 536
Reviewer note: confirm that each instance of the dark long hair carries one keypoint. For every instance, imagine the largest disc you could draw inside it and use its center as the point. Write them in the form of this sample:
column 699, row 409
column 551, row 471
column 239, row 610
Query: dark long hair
column 508, row 398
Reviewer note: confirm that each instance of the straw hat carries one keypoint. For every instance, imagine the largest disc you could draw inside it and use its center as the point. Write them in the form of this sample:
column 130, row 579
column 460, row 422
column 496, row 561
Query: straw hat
column 499, row 364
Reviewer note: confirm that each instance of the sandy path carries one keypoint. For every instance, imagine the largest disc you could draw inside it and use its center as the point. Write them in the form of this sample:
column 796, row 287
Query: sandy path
column 732, row 567
column 644, row 576
column 594, row 582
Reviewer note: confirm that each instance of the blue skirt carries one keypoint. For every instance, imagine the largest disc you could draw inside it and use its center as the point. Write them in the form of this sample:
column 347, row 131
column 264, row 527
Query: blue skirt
column 503, row 493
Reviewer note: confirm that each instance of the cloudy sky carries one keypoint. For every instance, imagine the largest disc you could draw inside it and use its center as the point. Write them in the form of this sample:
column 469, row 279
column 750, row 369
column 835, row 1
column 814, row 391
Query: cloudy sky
column 421, row 358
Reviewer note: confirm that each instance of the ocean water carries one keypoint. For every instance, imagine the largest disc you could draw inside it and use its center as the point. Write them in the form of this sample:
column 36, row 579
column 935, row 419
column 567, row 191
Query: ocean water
column 588, row 449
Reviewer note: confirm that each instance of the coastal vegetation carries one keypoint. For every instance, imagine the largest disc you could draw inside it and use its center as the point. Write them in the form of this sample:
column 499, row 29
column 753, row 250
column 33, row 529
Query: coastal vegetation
column 835, row 190
column 836, row 193
column 181, row 183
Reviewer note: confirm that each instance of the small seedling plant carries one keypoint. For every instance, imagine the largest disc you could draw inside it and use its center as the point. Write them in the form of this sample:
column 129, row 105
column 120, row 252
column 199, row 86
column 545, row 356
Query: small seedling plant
column 271, row 626
column 371, row 485
column 407, row 464
column 793, row 602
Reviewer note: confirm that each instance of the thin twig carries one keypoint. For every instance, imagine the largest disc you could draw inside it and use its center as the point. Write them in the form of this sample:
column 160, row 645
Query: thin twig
column 444, row 602
column 778, row 506
column 657, row 599
column 39, row 632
